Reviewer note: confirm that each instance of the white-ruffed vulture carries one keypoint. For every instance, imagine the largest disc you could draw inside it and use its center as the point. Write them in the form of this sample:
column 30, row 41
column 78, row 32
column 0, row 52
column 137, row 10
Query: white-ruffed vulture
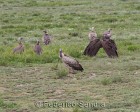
column 46, row 38
column 93, row 47
column 109, row 45
column 92, row 34
column 19, row 48
column 94, row 44
column 37, row 48
column 70, row 62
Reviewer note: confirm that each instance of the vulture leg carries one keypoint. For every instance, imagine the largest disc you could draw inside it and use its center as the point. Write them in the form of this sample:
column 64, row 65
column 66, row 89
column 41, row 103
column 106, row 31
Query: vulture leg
column 110, row 48
column 93, row 47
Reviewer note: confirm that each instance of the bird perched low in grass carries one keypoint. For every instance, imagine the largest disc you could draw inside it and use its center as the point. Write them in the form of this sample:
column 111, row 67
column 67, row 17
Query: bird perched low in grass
column 37, row 48
column 19, row 48
column 46, row 38
column 70, row 62
column 92, row 34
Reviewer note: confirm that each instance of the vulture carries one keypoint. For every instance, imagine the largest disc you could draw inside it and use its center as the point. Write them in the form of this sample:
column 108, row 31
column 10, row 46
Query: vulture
column 94, row 44
column 37, row 48
column 46, row 38
column 93, row 47
column 19, row 48
column 70, row 62
column 92, row 34
column 109, row 45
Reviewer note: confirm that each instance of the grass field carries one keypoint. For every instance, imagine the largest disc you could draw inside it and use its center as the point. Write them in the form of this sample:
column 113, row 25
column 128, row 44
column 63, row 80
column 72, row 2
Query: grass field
column 31, row 83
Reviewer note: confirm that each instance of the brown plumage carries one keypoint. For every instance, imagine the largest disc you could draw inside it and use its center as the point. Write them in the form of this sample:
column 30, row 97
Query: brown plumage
column 19, row 48
column 70, row 62
column 92, row 34
column 93, row 47
column 110, row 47
column 37, row 48
column 46, row 38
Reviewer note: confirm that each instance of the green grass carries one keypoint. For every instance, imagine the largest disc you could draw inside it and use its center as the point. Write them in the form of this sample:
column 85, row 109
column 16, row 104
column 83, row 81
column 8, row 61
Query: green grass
column 27, row 78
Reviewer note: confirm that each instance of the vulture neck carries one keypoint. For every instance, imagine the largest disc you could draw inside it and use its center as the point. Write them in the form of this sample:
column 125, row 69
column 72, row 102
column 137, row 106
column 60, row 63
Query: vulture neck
column 61, row 54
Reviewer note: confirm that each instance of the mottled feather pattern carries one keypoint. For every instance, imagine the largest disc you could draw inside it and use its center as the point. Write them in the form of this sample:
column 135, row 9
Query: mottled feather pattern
column 71, row 62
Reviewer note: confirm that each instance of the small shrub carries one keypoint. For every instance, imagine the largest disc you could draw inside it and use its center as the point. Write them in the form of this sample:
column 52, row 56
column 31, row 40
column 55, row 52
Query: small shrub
column 75, row 53
column 55, row 67
column 61, row 73
column 117, row 79
column 74, row 34
column 132, row 48
column 137, row 101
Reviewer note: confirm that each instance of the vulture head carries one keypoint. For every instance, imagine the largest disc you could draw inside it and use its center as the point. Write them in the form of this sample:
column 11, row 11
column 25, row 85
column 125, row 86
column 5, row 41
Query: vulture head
column 20, row 39
column 37, row 42
column 45, row 31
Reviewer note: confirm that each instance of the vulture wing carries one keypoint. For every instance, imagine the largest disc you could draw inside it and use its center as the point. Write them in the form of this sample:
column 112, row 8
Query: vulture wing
column 110, row 47
column 73, row 63
column 93, row 47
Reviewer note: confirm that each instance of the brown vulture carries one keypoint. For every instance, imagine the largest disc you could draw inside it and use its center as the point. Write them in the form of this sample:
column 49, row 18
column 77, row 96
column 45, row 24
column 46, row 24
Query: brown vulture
column 109, row 45
column 37, row 48
column 46, row 38
column 94, row 44
column 19, row 48
column 92, row 34
column 70, row 62
column 93, row 47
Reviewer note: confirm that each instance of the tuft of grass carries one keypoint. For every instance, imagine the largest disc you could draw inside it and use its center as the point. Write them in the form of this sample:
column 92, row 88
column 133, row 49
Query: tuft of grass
column 54, row 67
column 137, row 101
column 106, row 81
column 132, row 48
column 61, row 73
column 74, row 34
column 116, row 79
column 7, row 105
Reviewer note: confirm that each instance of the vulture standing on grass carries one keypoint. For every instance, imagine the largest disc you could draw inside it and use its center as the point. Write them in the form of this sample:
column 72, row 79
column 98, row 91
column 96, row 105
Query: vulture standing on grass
column 46, row 38
column 70, row 62
column 109, row 45
column 94, row 44
column 37, row 48
column 19, row 48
